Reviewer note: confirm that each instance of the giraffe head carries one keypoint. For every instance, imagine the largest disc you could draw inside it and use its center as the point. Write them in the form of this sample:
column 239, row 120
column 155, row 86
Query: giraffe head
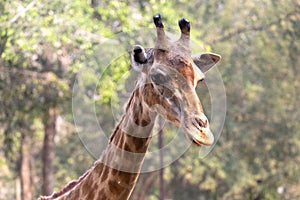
column 171, row 74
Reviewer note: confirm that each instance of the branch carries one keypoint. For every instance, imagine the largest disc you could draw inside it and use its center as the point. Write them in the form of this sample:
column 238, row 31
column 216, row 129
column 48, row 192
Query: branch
column 3, row 40
column 45, row 76
column 251, row 28
column 19, row 14
column 90, row 36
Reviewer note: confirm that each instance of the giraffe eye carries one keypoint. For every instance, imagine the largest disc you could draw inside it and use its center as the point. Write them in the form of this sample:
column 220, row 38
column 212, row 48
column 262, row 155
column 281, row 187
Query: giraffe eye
column 201, row 80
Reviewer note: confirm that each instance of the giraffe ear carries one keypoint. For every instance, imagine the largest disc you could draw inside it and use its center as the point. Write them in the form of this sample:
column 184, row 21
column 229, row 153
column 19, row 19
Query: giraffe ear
column 138, row 58
column 206, row 60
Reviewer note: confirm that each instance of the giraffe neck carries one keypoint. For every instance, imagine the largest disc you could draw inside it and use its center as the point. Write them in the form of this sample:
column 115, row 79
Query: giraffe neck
column 115, row 174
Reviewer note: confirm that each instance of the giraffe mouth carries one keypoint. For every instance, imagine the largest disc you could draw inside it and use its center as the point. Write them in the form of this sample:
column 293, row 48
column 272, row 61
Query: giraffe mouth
column 200, row 138
column 207, row 140
column 199, row 133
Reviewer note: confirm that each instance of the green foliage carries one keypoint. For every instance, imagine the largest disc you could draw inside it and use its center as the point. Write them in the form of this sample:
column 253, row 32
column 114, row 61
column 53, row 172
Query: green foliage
column 45, row 47
column 112, row 79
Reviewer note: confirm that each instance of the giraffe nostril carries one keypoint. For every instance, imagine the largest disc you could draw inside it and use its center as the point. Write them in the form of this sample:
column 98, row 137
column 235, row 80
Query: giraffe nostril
column 202, row 123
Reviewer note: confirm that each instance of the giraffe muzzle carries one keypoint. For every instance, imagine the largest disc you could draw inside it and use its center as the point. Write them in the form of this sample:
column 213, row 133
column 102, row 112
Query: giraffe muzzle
column 198, row 131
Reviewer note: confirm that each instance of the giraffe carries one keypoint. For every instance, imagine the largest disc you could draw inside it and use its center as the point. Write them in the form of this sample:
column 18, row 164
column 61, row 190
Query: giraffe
column 166, row 86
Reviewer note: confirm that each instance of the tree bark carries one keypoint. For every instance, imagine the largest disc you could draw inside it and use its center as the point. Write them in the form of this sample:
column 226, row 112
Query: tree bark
column 161, row 160
column 147, row 181
column 95, row 3
column 49, row 151
column 25, row 172
column 18, row 188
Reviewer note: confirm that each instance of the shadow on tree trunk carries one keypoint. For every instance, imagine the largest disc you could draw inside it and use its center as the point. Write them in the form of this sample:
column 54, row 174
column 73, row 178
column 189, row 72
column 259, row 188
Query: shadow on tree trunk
column 49, row 151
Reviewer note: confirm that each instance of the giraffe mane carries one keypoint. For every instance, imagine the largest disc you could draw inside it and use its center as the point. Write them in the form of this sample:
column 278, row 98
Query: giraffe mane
column 67, row 188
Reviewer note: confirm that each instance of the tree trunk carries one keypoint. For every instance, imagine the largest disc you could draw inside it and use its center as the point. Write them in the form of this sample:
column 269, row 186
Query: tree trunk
column 25, row 172
column 95, row 3
column 161, row 160
column 49, row 151
column 146, row 181
column 18, row 188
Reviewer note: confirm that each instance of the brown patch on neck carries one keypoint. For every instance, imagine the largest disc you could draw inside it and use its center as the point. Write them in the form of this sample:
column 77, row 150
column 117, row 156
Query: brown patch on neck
column 151, row 98
column 138, row 113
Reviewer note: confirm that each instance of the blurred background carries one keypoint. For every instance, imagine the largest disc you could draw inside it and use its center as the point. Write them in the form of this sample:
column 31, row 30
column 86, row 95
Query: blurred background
column 45, row 44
